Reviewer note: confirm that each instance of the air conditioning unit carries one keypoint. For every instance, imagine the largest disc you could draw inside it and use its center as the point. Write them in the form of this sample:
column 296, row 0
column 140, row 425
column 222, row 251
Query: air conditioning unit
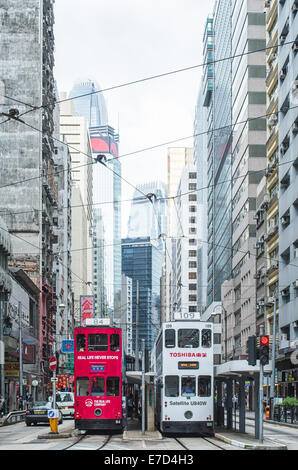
column 284, row 292
column 296, row 284
column 282, row 74
column 267, row 3
column 295, row 47
column 295, row 252
column 285, row 219
column 282, row 38
column 283, row 337
column 295, row 127
column 295, row 7
column 272, row 121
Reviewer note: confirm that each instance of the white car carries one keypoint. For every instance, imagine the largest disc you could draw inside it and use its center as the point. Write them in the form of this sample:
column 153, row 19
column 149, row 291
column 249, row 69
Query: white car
column 65, row 401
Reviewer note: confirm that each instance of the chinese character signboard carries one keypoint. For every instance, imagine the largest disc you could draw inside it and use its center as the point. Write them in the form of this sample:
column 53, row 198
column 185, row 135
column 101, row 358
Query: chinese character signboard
column 86, row 302
column 67, row 346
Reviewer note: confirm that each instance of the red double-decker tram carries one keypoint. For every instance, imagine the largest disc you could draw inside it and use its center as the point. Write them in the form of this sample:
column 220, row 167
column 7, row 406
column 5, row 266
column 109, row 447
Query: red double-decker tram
column 98, row 378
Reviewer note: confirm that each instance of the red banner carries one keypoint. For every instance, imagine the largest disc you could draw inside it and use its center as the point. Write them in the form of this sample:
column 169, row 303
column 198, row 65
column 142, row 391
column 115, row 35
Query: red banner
column 87, row 311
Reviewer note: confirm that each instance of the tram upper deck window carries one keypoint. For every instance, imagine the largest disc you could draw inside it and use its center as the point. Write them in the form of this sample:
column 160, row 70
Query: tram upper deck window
column 188, row 338
column 113, row 387
column 172, row 386
column 114, row 342
column 188, row 386
column 206, row 338
column 204, row 386
column 82, row 387
column 170, row 338
column 97, row 386
column 98, row 342
column 81, row 343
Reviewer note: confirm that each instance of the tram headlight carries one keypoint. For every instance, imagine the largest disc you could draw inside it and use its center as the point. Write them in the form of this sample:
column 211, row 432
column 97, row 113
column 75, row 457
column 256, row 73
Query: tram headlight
column 188, row 414
column 98, row 412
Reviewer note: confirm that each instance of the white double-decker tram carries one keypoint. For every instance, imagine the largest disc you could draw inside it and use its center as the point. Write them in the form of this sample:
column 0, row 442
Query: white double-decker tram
column 182, row 359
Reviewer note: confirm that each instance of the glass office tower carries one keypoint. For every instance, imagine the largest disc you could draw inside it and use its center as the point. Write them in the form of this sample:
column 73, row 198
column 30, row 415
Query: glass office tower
column 142, row 261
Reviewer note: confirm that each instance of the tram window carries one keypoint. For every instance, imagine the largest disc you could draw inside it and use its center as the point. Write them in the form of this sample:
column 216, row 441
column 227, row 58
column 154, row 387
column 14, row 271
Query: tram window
column 114, row 342
column 170, row 338
column 172, row 386
column 82, row 388
column 188, row 338
column 81, row 343
column 204, row 386
column 206, row 338
column 98, row 342
column 113, row 387
column 97, row 386
column 188, row 386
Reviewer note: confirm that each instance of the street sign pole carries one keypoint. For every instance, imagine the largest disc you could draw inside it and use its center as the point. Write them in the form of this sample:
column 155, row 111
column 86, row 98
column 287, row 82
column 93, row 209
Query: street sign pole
column 54, row 377
column 143, row 387
column 261, row 394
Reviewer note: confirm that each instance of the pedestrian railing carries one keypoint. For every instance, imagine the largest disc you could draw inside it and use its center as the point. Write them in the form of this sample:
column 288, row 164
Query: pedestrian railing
column 284, row 414
column 13, row 417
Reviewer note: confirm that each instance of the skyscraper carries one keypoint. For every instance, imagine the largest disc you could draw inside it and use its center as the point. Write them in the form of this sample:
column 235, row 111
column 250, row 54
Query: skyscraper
column 148, row 218
column 106, row 186
column 142, row 261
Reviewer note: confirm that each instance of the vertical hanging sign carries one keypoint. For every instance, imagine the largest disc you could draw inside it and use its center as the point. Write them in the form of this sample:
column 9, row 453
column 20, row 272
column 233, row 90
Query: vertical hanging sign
column 86, row 304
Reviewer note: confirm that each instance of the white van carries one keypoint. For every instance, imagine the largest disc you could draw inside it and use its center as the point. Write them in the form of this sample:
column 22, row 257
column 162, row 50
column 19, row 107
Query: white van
column 65, row 401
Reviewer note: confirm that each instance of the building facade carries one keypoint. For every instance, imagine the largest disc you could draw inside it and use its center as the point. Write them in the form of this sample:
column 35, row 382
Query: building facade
column 142, row 261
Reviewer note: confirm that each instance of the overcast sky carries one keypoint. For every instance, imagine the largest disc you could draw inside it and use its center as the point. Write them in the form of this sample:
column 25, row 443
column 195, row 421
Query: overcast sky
column 117, row 41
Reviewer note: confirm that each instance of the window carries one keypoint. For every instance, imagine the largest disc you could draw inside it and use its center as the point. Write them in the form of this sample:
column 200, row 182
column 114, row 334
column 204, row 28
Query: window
column 81, row 343
column 97, row 386
column 170, row 338
column 192, row 298
column 206, row 338
column 204, row 386
column 192, row 197
column 192, row 287
column 171, row 386
column 114, row 342
column 98, row 342
column 192, row 175
column 192, row 253
column 192, row 264
column 188, row 338
column 192, row 275
column 82, row 386
column 217, row 338
column 188, row 386
column 192, row 209
column 113, row 386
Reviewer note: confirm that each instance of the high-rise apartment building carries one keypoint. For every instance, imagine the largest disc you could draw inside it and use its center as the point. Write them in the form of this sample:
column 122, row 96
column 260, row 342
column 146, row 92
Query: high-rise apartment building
column 28, row 192
column 178, row 157
column 74, row 131
column 185, row 285
column 288, row 190
column 248, row 159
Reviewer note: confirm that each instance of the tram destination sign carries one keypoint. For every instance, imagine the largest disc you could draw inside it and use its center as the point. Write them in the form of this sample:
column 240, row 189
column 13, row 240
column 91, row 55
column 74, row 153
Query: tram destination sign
column 178, row 316
column 188, row 365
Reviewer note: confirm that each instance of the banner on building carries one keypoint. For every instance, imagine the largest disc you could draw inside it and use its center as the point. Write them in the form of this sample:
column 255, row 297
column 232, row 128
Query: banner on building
column 87, row 308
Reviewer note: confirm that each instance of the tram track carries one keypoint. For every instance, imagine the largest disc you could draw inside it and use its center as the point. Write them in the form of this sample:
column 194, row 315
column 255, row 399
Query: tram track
column 203, row 438
column 84, row 436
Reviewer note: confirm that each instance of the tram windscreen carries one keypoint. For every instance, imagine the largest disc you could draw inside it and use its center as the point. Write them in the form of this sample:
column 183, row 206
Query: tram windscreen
column 172, row 386
column 204, row 386
column 113, row 387
column 206, row 338
column 98, row 342
column 81, row 342
column 114, row 342
column 97, row 386
column 188, row 386
column 170, row 338
column 82, row 387
column 188, row 338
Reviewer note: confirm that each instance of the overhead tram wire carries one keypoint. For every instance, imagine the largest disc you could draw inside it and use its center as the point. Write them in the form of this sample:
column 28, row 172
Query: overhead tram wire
column 153, row 77
column 141, row 150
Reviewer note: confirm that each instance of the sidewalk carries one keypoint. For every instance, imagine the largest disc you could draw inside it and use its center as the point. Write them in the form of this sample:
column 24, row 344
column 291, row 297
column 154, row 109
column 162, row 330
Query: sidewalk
column 251, row 415
column 247, row 441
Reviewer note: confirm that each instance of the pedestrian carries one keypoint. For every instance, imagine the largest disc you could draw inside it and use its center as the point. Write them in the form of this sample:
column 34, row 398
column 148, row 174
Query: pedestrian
column 130, row 406
column 235, row 401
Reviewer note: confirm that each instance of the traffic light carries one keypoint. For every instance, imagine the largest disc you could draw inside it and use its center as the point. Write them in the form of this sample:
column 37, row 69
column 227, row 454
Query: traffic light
column 252, row 350
column 264, row 349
